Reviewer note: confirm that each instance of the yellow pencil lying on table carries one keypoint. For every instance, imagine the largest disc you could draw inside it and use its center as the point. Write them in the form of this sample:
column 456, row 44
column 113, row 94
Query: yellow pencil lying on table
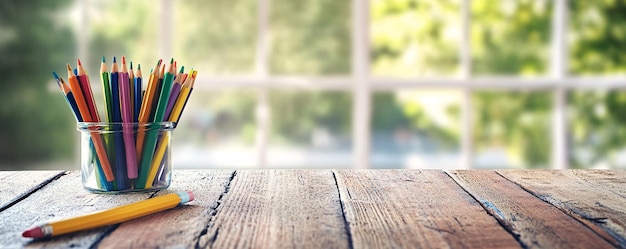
column 111, row 216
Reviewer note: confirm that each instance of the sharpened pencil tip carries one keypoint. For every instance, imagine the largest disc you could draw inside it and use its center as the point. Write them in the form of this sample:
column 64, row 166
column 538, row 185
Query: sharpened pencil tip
column 172, row 61
column 123, row 59
column 79, row 64
column 138, row 66
column 35, row 232
column 182, row 69
column 56, row 76
column 69, row 67
column 131, row 65
column 103, row 61
column 114, row 60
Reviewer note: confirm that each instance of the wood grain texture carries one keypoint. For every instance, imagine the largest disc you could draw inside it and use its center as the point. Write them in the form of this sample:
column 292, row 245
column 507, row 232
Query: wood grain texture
column 62, row 198
column 182, row 226
column 15, row 185
column 415, row 209
column 596, row 198
column 536, row 223
column 279, row 209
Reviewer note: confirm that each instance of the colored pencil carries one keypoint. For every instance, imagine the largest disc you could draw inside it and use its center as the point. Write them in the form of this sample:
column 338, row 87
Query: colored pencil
column 138, row 92
column 146, row 106
column 86, row 88
column 174, row 93
column 120, row 166
column 106, row 87
column 157, row 93
column 84, row 111
column 127, row 119
column 111, row 216
column 131, row 86
column 184, row 97
column 69, row 96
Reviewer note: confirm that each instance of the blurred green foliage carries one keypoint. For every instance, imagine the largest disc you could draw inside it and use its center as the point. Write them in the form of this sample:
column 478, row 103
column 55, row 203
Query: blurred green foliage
column 296, row 114
column 36, row 123
column 415, row 38
column 219, row 40
column 510, row 37
column 310, row 37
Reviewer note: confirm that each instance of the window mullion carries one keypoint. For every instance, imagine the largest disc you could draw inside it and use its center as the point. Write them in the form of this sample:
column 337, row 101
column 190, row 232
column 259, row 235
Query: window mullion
column 361, row 108
column 558, row 68
column 466, row 70
column 261, row 70
column 165, row 34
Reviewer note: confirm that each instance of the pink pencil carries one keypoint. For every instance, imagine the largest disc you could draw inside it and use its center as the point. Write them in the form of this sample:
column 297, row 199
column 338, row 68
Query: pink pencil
column 127, row 119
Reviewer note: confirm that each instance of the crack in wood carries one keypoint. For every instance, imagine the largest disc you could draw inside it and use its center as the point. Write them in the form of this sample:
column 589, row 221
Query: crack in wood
column 103, row 235
column 202, row 237
column 343, row 212
column 503, row 224
column 570, row 210
column 32, row 190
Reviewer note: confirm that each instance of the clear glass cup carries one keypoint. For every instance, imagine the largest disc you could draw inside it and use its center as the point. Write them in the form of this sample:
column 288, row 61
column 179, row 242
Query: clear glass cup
column 125, row 157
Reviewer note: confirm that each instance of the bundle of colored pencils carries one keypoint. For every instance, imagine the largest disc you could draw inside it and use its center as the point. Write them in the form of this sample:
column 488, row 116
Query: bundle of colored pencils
column 129, row 159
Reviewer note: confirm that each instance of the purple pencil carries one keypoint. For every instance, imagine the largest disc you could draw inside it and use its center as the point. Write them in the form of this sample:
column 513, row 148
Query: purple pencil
column 175, row 91
column 127, row 119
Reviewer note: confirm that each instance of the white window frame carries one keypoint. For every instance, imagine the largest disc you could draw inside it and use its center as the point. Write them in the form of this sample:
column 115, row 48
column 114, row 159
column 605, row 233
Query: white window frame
column 362, row 85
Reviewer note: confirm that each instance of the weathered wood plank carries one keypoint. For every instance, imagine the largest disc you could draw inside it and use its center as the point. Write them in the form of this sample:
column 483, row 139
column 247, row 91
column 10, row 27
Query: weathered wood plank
column 180, row 227
column 62, row 198
column 15, row 185
column 596, row 198
column 536, row 223
column 279, row 209
column 415, row 209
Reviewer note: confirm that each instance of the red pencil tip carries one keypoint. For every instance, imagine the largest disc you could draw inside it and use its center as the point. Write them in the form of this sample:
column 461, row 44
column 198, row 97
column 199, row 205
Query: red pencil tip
column 123, row 59
column 79, row 64
column 34, row 232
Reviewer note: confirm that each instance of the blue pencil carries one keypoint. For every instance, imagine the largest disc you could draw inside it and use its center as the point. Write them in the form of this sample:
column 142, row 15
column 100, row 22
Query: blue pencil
column 69, row 96
column 120, row 169
column 138, row 93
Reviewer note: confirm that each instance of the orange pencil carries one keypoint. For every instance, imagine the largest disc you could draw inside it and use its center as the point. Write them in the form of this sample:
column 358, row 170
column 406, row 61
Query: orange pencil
column 87, row 117
column 78, row 94
column 146, row 107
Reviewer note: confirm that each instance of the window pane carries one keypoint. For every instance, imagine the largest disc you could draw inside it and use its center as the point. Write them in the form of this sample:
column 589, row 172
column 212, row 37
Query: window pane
column 122, row 28
column 597, row 37
column 37, row 125
column 416, row 129
column 217, row 37
column 510, row 37
column 217, row 130
column 310, row 37
column 310, row 129
column 596, row 127
column 415, row 38
column 512, row 129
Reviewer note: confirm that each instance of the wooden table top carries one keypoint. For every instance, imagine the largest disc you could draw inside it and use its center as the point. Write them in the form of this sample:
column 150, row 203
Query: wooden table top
column 336, row 209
